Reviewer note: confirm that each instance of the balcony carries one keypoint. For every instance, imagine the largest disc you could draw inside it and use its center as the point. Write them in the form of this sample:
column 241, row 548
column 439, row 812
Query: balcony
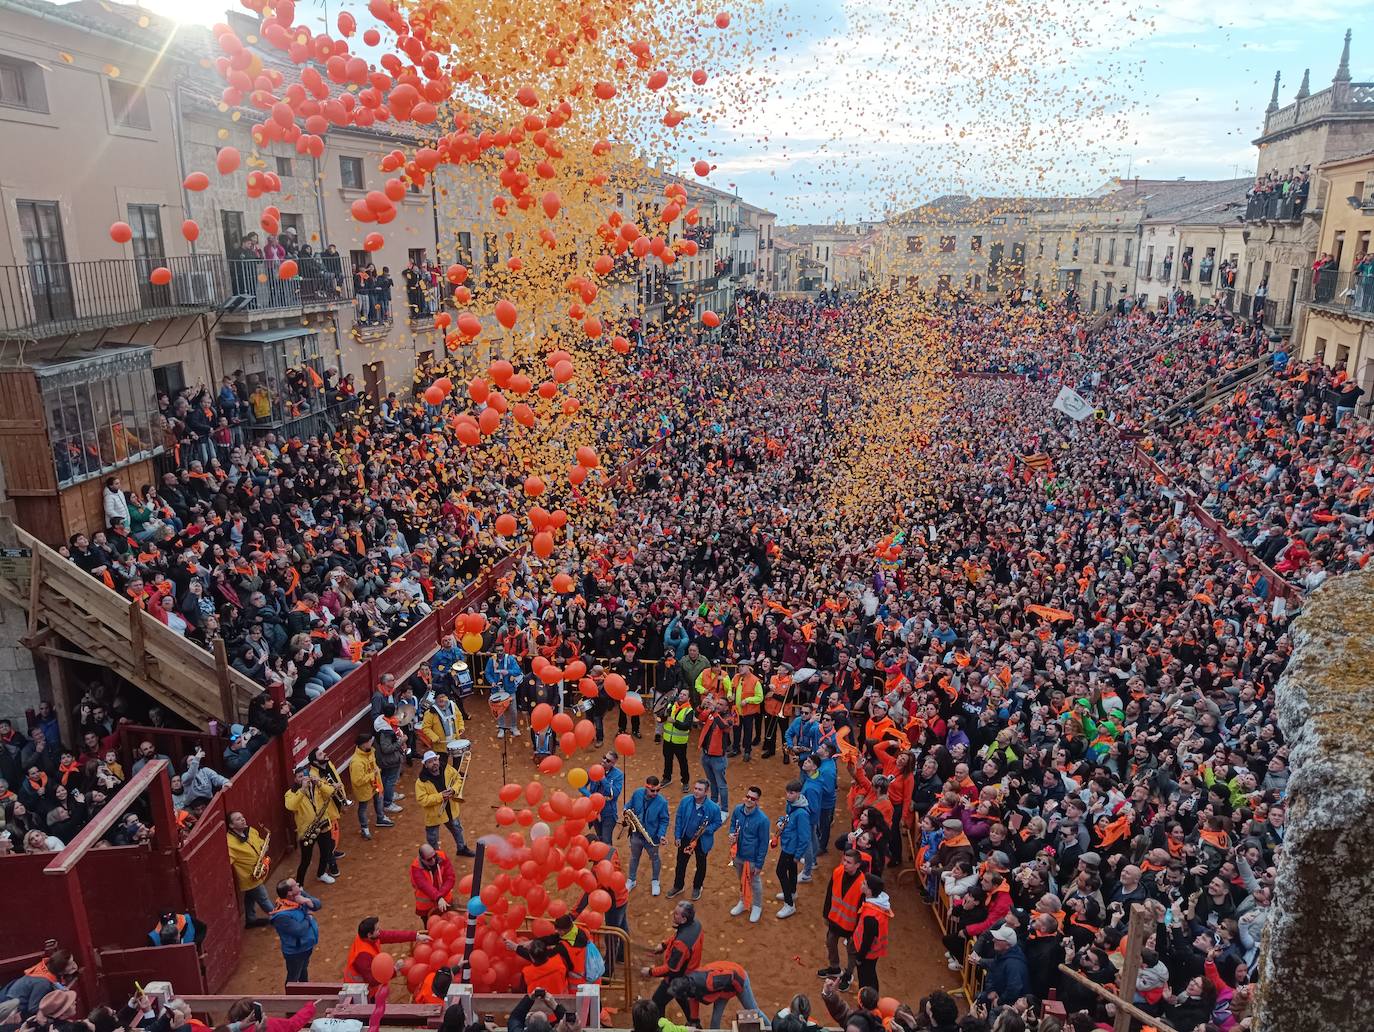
column 703, row 236
column 50, row 299
column 1346, row 292
column 1275, row 207
column 254, row 286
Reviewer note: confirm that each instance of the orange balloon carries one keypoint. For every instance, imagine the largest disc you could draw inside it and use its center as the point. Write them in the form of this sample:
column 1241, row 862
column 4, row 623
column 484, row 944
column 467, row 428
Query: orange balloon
column 586, row 456
column 575, row 670
column 383, row 967
column 190, row 229
column 701, row 168
column 722, row 20
column 478, row 390
column 632, row 705
column 541, row 716
column 561, row 723
column 489, row 421
column 505, row 313
column 577, row 474
column 433, row 395
column 615, row 686
column 534, row 486
column 160, row 276
column 625, row 745
column 551, row 764
column 121, row 232
column 584, row 733
column 196, row 181
column 227, row 160
column 543, row 544
column 710, row 318
column 288, row 269
column 563, row 584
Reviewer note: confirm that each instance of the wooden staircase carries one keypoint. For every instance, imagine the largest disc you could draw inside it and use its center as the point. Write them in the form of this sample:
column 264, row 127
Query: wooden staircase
column 107, row 629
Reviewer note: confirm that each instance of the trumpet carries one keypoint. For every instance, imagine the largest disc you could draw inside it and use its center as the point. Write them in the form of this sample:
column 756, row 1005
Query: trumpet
column 780, row 826
column 264, row 862
column 631, row 820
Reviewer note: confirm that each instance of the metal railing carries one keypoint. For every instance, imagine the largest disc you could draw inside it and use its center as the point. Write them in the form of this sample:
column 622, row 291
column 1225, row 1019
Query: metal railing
column 47, row 299
column 1275, row 206
column 255, row 285
column 1345, row 291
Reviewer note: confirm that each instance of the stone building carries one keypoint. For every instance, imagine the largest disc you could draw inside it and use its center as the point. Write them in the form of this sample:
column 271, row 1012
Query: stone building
column 1284, row 217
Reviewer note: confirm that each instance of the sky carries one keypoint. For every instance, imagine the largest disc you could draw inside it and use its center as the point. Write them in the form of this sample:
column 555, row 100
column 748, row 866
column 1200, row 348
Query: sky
column 849, row 109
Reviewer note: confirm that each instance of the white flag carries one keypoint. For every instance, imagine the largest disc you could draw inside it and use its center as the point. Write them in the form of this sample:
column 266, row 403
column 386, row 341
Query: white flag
column 1073, row 404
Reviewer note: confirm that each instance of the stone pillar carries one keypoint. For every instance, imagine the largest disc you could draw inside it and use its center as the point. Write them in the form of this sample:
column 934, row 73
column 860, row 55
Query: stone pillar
column 1319, row 941
column 18, row 682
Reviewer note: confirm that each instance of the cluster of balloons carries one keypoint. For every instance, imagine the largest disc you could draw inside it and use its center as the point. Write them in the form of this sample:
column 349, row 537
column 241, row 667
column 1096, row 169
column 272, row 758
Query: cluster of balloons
column 575, row 735
column 545, row 852
column 468, row 627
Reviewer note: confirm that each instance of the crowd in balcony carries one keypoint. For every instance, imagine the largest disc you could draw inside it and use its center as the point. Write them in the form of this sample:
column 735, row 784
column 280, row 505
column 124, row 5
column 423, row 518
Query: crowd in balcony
column 1280, row 196
column 255, row 264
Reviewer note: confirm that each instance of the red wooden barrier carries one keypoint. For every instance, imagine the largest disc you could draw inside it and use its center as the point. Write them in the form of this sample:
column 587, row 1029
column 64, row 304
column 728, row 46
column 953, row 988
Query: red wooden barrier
column 207, row 881
column 120, row 970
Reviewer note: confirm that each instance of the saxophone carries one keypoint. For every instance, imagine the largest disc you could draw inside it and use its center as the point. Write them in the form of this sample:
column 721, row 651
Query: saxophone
column 320, row 825
column 636, row 826
column 264, row 862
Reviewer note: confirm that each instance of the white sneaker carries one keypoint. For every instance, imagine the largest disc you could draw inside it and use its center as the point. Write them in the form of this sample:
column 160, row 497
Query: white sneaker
column 737, row 909
column 786, row 912
column 394, row 808
column 653, row 887
column 803, row 877
column 755, row 914
column 779, row 896
column 954, row 965
column 398, row 795
column 500, row 732
column 630, row 886
column 328, row 879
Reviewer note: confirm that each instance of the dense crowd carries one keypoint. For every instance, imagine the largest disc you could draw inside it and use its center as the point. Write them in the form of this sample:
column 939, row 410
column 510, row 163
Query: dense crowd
column 1050, row 685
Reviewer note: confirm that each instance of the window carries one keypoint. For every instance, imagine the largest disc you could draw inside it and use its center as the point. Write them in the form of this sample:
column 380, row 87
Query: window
column 351, row 173
column 1204, row 269
column 1186, row 265
column 464, row 255
column 1075, row 248
column 146, row 222
column 1040, row 248
column 21, row 85
column 416, row 255
column 129, row 104
column 947, row 244
column 284, row 168
column 169, row 379
column 231, row 225
column 1126, row 256
column 1107, row 301
column 1097, row 250
column 1094, row 301
column 293, row 224
column 913, row 245
column 1111, row 251
column 995, row 253
column 99, row 413
column 45, row 252
column 1022, row 220
column 975, row 244
column 1149, row 261
column 999, row 220
column 1018, row 255
column 491, row 251
column 913, row 283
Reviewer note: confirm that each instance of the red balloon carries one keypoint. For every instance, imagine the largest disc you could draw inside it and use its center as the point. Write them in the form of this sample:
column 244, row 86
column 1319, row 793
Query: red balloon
column 504, row 816
column 567, row 742
column 598, row 851
column 596, row 772
column 551, row 764
column 561, row 723
column 509, row 793
column 383, row 967
column 534, row 791
column 585, row 731
column 420, row 954
column 625, row 745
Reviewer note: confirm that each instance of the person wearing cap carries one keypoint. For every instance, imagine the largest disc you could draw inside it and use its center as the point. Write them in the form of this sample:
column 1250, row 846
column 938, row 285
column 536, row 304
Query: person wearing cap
column 1008, row 977
column 243, row 743
column 311, row 803
column 443, row 722
column 745, row 693
column 436, row 790
column 627, row 665
column 366, row 779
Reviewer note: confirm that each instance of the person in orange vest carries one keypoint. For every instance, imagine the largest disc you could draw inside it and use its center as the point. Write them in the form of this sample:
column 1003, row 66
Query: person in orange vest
column 715, row 733
column 715, row 983
column 366, row 946
column 843, row 897
column 747, row 695
column 546, row 970
column 432, row 878
column 774, row 704
column 433, row 988
column 870, row 937
column 681, row 955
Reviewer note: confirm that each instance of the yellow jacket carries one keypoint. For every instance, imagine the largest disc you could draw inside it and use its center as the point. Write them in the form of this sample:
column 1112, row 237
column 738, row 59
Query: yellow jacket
column 306, row 807
column 364, row 774
column 432, row 728
column 433, row 803
column 243, row 857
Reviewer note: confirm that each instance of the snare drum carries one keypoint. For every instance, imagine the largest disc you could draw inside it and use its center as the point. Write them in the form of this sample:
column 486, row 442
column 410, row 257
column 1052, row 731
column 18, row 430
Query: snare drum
column 458, row 748
column 499, row 702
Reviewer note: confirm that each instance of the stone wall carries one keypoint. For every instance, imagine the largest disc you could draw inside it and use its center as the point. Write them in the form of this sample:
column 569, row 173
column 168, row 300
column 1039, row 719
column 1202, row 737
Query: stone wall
column 1317, row 950
column 18, row 681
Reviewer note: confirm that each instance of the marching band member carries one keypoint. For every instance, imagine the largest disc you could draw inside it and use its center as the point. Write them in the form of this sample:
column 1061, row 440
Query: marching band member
column 694, row 827
column 611, row 784
column 749, row 846
column 311, row 803
column 793, row 840
column 651, row 810
column 248, row 857
column 436, row 790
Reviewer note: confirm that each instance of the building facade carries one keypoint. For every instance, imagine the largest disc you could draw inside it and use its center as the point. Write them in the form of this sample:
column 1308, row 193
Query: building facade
column 1284, row 217
column 957, row 242
column 1338, row 323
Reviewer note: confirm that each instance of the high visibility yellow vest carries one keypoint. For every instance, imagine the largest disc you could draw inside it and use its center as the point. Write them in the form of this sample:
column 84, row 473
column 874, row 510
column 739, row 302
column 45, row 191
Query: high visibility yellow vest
column 675, row 733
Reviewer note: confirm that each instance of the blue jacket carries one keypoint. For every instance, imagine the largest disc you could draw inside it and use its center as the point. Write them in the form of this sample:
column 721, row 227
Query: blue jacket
column 29, row 990
column 296, row 927
column 803, row 734
column 795, row 839
column 813, row 791
column 825, row 770
column 676, row 638
column 507, row 675
column 610, row 786
column 688, row 821
column 753, row 830
column 441, row 666
column 652, row 814
column 1008, row 976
